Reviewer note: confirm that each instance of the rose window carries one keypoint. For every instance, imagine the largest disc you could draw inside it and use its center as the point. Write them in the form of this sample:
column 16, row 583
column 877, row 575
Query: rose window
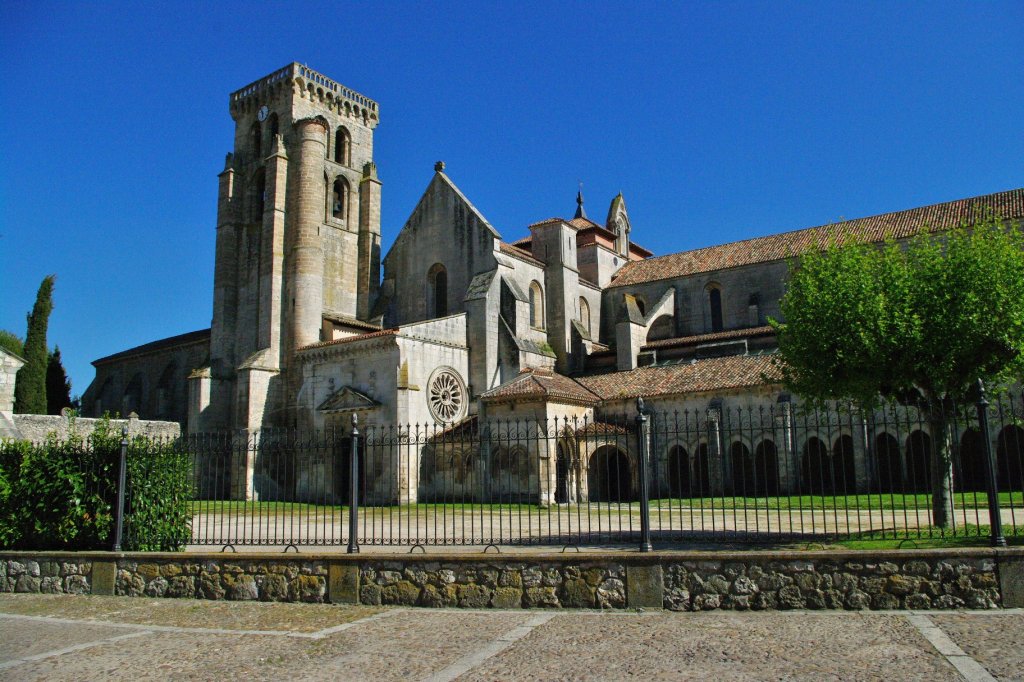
column 446, row 396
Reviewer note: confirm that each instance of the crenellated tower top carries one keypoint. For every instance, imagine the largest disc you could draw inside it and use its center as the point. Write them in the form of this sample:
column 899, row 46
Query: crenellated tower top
column 307, row 83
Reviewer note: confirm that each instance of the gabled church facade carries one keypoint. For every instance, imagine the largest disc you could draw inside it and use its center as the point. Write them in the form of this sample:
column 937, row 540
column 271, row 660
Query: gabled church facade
column 571, row 318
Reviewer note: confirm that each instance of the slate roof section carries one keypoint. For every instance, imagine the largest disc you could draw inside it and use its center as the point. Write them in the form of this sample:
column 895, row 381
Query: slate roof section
column 715, row 374
column 1008, row 205
column 541, row 384
column 154, row 346
column 748, row 333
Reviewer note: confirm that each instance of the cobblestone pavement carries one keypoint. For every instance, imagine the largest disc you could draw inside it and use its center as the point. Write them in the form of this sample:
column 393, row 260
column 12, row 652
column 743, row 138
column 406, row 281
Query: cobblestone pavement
column 64, row 637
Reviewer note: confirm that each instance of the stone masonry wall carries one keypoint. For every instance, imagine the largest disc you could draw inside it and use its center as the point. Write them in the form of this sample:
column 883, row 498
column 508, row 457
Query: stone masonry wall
column 48, row 577
column 277, row 580
column 497, row 584
column 943, row 583
column 929, row 579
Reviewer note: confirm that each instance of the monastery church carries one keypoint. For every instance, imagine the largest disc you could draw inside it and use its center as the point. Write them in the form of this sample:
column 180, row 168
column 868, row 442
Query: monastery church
column 571, row 317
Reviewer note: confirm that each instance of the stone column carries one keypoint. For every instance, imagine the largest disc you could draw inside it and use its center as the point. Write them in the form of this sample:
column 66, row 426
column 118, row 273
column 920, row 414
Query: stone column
column 716, row 463
column 306, row 253
column 369, row 241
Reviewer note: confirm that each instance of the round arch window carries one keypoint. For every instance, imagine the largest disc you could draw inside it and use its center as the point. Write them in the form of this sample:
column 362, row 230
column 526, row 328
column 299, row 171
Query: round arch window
column 446, row 395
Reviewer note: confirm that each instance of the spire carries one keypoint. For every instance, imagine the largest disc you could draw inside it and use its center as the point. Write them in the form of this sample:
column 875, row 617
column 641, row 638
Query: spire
column 580, row 213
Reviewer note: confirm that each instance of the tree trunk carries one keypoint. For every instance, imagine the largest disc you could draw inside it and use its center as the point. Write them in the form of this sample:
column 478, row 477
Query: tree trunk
column 941, row 464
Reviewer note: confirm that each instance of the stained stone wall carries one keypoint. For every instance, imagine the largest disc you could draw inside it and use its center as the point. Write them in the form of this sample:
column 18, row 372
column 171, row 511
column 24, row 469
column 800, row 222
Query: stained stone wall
column 943, row 583
column 291, row 581
column 67, row 575
column 497, row 584
column 916, row 579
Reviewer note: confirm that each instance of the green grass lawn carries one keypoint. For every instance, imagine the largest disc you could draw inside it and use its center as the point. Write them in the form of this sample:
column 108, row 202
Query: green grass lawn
column 858, row 502
column 791, row 502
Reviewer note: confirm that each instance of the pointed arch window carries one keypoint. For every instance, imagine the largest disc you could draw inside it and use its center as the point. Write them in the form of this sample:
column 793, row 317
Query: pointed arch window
column 536, row 306
column 437, row 291
column 714, row 293
column 339, row 198
column 272, row 125
column 342, row 147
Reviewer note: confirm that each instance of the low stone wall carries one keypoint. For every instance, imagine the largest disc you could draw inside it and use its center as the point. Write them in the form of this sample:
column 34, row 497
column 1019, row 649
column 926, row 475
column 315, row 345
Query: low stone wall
column 67, row 575
column 945, row 582
column 277, row 580
column 37, row 427
column 914, row 579
column 494, row 583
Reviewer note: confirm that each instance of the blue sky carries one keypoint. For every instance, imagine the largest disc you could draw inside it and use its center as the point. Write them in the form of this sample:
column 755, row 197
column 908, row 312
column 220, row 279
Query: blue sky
column 718, row 121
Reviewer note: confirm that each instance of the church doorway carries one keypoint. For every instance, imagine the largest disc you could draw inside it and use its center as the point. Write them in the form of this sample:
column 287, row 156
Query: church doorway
column 610, row 476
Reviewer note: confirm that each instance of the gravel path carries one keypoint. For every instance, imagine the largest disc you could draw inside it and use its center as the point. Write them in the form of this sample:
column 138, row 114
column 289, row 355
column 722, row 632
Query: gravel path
column 61, row 637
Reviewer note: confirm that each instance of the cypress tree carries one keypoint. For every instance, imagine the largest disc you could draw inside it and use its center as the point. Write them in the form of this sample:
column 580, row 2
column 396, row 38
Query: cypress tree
column 58, row 386
column 30, row 385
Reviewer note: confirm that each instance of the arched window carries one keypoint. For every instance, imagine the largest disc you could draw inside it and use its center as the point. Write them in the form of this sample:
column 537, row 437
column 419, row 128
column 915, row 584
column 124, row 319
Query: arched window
column 256, row 134
column 585, row 313
column 272, row 126
column 715, row 307
column 437, row 291
column 342, row 147
column 339, row 198
column 536, row 306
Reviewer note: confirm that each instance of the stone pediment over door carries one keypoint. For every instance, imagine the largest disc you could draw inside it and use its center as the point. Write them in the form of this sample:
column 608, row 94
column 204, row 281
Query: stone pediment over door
column 347, row 399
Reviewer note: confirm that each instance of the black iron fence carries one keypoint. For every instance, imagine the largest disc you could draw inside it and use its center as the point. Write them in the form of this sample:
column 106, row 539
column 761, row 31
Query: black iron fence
column 775, row 472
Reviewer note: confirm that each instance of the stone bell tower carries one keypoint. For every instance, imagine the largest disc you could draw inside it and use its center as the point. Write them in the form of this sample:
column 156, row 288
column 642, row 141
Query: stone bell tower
column 298, row 242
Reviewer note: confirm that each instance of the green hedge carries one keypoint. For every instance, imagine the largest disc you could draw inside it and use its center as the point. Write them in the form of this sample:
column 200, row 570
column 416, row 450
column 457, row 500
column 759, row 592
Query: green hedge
column 61, row 494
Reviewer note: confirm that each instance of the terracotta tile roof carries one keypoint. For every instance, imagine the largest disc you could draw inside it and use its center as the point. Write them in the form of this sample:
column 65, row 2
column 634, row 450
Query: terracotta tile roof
column 202, row 335
column 521, row 254
column 602, row 429
column 352, row 322
column 540, row 384
column 899, row 225
column 351, row 339
column 736, row 371
column 582, row 223
column 709, row 338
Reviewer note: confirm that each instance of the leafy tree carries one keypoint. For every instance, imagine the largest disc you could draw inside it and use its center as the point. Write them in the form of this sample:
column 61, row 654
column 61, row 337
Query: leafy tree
column 58, row 386
column 927, row 318
column 12, row 342
column 30, row 384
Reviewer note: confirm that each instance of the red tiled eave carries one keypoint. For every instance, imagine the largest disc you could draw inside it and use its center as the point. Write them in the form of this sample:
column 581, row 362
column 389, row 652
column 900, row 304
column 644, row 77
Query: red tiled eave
column 714, row 374
column 750, row 332
column 1008, row 205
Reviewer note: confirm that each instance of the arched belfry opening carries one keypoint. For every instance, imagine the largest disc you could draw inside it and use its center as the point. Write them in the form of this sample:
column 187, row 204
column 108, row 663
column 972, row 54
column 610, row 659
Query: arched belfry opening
column 340, row 198
column 342, row 147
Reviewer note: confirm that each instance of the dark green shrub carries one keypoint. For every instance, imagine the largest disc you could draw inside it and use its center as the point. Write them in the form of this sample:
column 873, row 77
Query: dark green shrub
column 62, row 494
